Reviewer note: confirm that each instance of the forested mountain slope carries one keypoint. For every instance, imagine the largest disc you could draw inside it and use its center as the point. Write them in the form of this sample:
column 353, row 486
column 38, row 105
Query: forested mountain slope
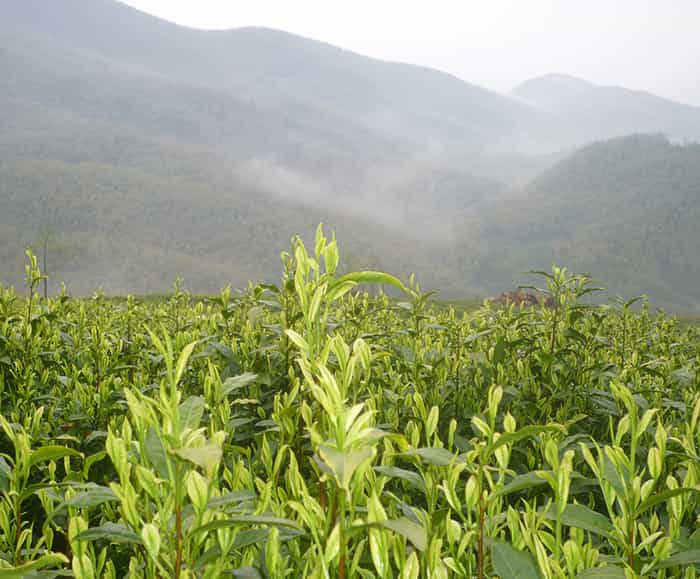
column 145, row 151
column 626, row 210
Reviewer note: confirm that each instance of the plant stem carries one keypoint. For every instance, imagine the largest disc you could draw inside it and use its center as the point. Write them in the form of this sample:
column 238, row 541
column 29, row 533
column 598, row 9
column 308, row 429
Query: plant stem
column 341, row 534
column 178, row 522
column 482, row 523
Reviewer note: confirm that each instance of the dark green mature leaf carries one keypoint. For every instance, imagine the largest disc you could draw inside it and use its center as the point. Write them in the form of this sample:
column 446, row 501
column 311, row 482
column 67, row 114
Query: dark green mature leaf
column 435, row 456
column 691, row 557
column 47, row 453
column 520, row 482
column 238, row 520
column 155, row 452
column 607, row 572
column 370, row 277
column 659, row 498
column 24, row 570
column 247, row 573
column 412, row 478
column 112, row 532
column 344, row 463
column 613, row 477
column 499, row 352
column 510, row 563
column 238, row 382
column 93, row 459
column 209, row 556
column 250, row 537
column 407, row 528
column 231, row 498
column 580, row 516
column 525, row 432
column 191, row 412
column 5, row 474
column 92, row 498
column 206, row 457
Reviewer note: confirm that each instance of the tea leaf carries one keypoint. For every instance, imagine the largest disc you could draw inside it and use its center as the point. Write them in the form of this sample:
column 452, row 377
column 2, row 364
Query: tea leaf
column 607, row 572
column 238, row 520
column 155, row 452
column 47, row 453
column 112, row 532
column 191, row 412
column 238, row 382
column 206, row 457
column 582, row 517
column 407, row 528
column 343, row 464
column 691, row 557
column 42, row 562
column 510, row 563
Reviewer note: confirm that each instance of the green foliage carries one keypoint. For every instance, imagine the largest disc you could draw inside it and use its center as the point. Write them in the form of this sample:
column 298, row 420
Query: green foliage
column 312, row 430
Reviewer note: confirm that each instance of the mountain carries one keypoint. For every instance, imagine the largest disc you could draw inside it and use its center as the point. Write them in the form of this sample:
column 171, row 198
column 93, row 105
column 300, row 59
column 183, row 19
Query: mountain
column 587, row 111
column 140, row 176
column 142, row 150
column 626, row 210
column 270, row 67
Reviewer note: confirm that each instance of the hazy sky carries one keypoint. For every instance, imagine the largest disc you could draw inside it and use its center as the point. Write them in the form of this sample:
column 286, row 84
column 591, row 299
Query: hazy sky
column 642, row 44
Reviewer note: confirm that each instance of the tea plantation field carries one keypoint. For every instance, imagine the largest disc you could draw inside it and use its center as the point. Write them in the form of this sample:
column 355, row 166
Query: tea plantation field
column 312, row 430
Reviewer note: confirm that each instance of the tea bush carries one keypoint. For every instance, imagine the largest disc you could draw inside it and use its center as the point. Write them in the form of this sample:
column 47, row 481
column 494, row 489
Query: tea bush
column 310, row 430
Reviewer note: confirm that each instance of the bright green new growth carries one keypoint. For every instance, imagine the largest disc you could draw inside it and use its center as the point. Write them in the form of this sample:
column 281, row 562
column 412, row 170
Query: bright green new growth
column 310, row 430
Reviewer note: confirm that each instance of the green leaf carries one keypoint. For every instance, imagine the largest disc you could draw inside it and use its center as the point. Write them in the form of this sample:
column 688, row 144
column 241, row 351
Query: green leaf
column 499, row 352
column 5, row 474
column 607, row 572
column 230, row 498
column 237, row 520
column 525, row 432
column 370, row 277
column 520, row 482
column 339, row 290
column 155, row 453
column 191, row 412
column 206, row 457
column 246, row 573
column 238, row 382
column 691, row 557
column 581, row 517
column 510, row 563
column 412, row 478
column 51, row 560
column 663, row 497
column 344, row 463
column 298, row 340
column 612, row 476
column 92, row 498
column 92, row 459
column 46, row 453
column 112, row 532
column 250, row 537
column 435, row 456
column 206, row 558
column 182, row 361
column 407, row 528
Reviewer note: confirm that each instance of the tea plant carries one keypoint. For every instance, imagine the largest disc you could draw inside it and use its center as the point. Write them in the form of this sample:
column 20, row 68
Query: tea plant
column 311, row 429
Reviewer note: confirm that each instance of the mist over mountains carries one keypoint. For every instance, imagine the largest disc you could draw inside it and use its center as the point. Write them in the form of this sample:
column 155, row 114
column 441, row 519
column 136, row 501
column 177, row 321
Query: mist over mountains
column 146, row 150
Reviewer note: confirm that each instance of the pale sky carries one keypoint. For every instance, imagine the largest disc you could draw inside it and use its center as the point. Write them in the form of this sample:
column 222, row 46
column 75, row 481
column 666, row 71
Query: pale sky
column 652, row 45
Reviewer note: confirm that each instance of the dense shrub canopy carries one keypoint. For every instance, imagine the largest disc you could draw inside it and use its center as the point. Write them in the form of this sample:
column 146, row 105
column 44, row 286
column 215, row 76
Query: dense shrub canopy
column 310, row 430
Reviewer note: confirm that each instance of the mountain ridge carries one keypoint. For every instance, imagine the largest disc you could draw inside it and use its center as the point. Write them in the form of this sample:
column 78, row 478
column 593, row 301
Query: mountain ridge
column 145, row 164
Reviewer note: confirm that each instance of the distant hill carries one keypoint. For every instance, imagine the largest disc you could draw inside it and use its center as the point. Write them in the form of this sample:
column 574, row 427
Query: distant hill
column 146, row 150
column 587, row 111
column 277, row 69
column 626, row 210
